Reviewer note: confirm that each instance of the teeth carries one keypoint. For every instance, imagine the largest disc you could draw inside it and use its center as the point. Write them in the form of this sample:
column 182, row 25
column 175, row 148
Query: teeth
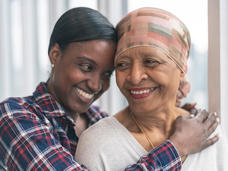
column 142, row 91
column 84, row 94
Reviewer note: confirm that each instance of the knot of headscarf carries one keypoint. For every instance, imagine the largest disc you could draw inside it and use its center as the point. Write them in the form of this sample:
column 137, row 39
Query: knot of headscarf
column 156, row 28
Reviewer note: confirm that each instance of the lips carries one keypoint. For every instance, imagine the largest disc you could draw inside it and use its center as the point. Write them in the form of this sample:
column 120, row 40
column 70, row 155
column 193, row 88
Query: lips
column 139, row 93
column 84, row 96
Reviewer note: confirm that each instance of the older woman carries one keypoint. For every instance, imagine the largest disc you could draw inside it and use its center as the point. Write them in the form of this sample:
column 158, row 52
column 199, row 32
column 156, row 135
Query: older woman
column 150, row 62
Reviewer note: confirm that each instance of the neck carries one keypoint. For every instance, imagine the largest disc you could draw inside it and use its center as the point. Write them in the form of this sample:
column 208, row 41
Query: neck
column 81, row 124
column 51, row 91
column 157, row 120
column 157, row 124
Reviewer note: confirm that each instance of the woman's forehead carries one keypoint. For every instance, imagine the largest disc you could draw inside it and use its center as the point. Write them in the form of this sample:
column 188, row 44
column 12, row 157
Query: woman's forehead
column 142, row 52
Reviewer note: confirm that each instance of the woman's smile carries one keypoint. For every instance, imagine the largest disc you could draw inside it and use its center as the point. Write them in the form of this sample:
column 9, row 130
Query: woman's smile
column 84, row 96
column 140, row 93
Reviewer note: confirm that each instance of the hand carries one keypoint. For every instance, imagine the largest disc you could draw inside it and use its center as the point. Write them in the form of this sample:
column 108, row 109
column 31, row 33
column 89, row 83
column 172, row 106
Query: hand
column 192, row 131
column 191, row 107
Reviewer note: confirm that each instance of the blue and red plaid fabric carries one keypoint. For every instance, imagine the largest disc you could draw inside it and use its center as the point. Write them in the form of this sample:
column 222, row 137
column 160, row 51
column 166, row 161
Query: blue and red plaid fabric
column 37, row 134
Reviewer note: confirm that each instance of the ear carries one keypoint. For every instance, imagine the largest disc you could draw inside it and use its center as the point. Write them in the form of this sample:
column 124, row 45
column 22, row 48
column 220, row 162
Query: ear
column 182, row 74
column 55, row 54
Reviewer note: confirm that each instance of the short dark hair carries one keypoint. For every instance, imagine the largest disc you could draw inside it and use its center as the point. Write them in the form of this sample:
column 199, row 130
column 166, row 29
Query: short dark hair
column 81, row 24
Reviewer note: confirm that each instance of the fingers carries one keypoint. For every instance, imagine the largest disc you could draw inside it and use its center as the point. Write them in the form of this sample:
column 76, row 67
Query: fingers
column 212, row 117
column 211, row 123
column 212, row 128
column 211, row 141
column 191, row 115
column 189, row 106
column 202, row 115
column 192, row 105
column 194, row 111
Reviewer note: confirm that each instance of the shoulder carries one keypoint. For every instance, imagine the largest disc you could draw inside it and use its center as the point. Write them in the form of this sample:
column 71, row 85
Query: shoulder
column 95, row 114
column 217, row 154
column 16, row 107
column 221, row 146
column 19, row 115
column 18, row 124
column 101, row 128
column 95, row 143
column 98, row 135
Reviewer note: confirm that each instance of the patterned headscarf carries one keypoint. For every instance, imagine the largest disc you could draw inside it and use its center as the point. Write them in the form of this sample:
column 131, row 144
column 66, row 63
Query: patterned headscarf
column 155, row 28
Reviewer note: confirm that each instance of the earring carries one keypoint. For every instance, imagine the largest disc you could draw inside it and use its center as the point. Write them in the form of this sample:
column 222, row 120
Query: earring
column 52, row 65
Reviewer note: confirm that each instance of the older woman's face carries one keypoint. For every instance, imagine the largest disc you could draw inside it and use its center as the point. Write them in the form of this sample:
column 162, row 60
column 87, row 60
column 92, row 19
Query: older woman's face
column 81, row 73
column 147, row 78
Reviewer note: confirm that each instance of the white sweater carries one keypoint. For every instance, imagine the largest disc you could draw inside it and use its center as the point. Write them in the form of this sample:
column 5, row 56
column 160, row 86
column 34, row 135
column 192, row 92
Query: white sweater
column 109, row 146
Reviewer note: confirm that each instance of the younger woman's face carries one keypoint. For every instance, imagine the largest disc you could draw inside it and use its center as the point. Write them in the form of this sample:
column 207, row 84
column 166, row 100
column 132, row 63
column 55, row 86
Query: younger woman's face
column 81, row 73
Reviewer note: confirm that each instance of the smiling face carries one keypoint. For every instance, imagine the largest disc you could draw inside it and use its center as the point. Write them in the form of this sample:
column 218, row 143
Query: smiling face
column 147, row 78
column 81, row 73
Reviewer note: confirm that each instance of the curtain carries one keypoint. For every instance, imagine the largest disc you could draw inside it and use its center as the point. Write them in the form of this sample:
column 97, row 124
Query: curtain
column 25, row 29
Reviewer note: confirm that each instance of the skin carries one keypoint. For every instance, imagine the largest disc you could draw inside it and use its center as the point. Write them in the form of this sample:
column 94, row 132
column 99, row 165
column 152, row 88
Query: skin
column 148, row 69
column 81, row 73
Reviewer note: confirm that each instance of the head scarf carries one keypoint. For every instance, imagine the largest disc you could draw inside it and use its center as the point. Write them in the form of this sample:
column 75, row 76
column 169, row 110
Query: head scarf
column 155, row 28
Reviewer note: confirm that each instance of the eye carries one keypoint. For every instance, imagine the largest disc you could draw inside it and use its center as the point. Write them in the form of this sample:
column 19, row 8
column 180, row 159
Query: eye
column 151, row 62
column 85, row 67
column 122, row 66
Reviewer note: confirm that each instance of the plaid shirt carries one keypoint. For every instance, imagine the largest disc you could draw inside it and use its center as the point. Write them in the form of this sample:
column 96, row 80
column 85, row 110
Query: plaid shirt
column 37, row 134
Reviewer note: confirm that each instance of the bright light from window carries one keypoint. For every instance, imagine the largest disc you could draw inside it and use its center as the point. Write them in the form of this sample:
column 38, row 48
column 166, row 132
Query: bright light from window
column 85, row 3
column 16, row 33
column 43, row 36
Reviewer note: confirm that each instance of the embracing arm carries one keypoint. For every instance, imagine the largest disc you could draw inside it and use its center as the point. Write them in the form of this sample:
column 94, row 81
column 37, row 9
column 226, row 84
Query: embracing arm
column 163, row 157
column 28, row 144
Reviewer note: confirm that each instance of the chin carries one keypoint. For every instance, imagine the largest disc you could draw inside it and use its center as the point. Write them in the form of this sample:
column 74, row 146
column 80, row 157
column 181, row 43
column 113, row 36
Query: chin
column 82, row 109
column 139, row 108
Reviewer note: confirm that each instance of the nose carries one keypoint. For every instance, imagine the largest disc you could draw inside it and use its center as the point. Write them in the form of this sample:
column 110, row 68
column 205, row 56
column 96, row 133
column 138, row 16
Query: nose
column 137, row 74
column 95, row 83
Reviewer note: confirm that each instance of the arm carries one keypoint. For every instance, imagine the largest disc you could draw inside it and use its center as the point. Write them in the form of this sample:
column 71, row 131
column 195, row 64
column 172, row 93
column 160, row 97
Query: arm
column 163, row 157
column 190, row 136
column 28, row 144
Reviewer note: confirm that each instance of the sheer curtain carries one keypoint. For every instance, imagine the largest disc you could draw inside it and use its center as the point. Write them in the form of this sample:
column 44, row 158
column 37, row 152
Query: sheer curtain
column 25, row 29
column 24, row 39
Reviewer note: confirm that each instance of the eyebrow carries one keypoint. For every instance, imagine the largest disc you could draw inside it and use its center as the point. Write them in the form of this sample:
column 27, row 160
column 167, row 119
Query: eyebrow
column 87, row 59
column 93, row 62
column 143, row 54
column 123, row 56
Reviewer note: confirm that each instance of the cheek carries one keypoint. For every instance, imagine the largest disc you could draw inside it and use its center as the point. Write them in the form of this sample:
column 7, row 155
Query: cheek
column 172, row 82
column 73, row 75
column 106, row 85
column 120, row 78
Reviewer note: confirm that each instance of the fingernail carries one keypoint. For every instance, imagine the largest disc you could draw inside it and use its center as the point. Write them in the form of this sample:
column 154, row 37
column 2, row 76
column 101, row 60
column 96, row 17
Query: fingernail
column 217, row 119
column 215, row 113
column 192, row 116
